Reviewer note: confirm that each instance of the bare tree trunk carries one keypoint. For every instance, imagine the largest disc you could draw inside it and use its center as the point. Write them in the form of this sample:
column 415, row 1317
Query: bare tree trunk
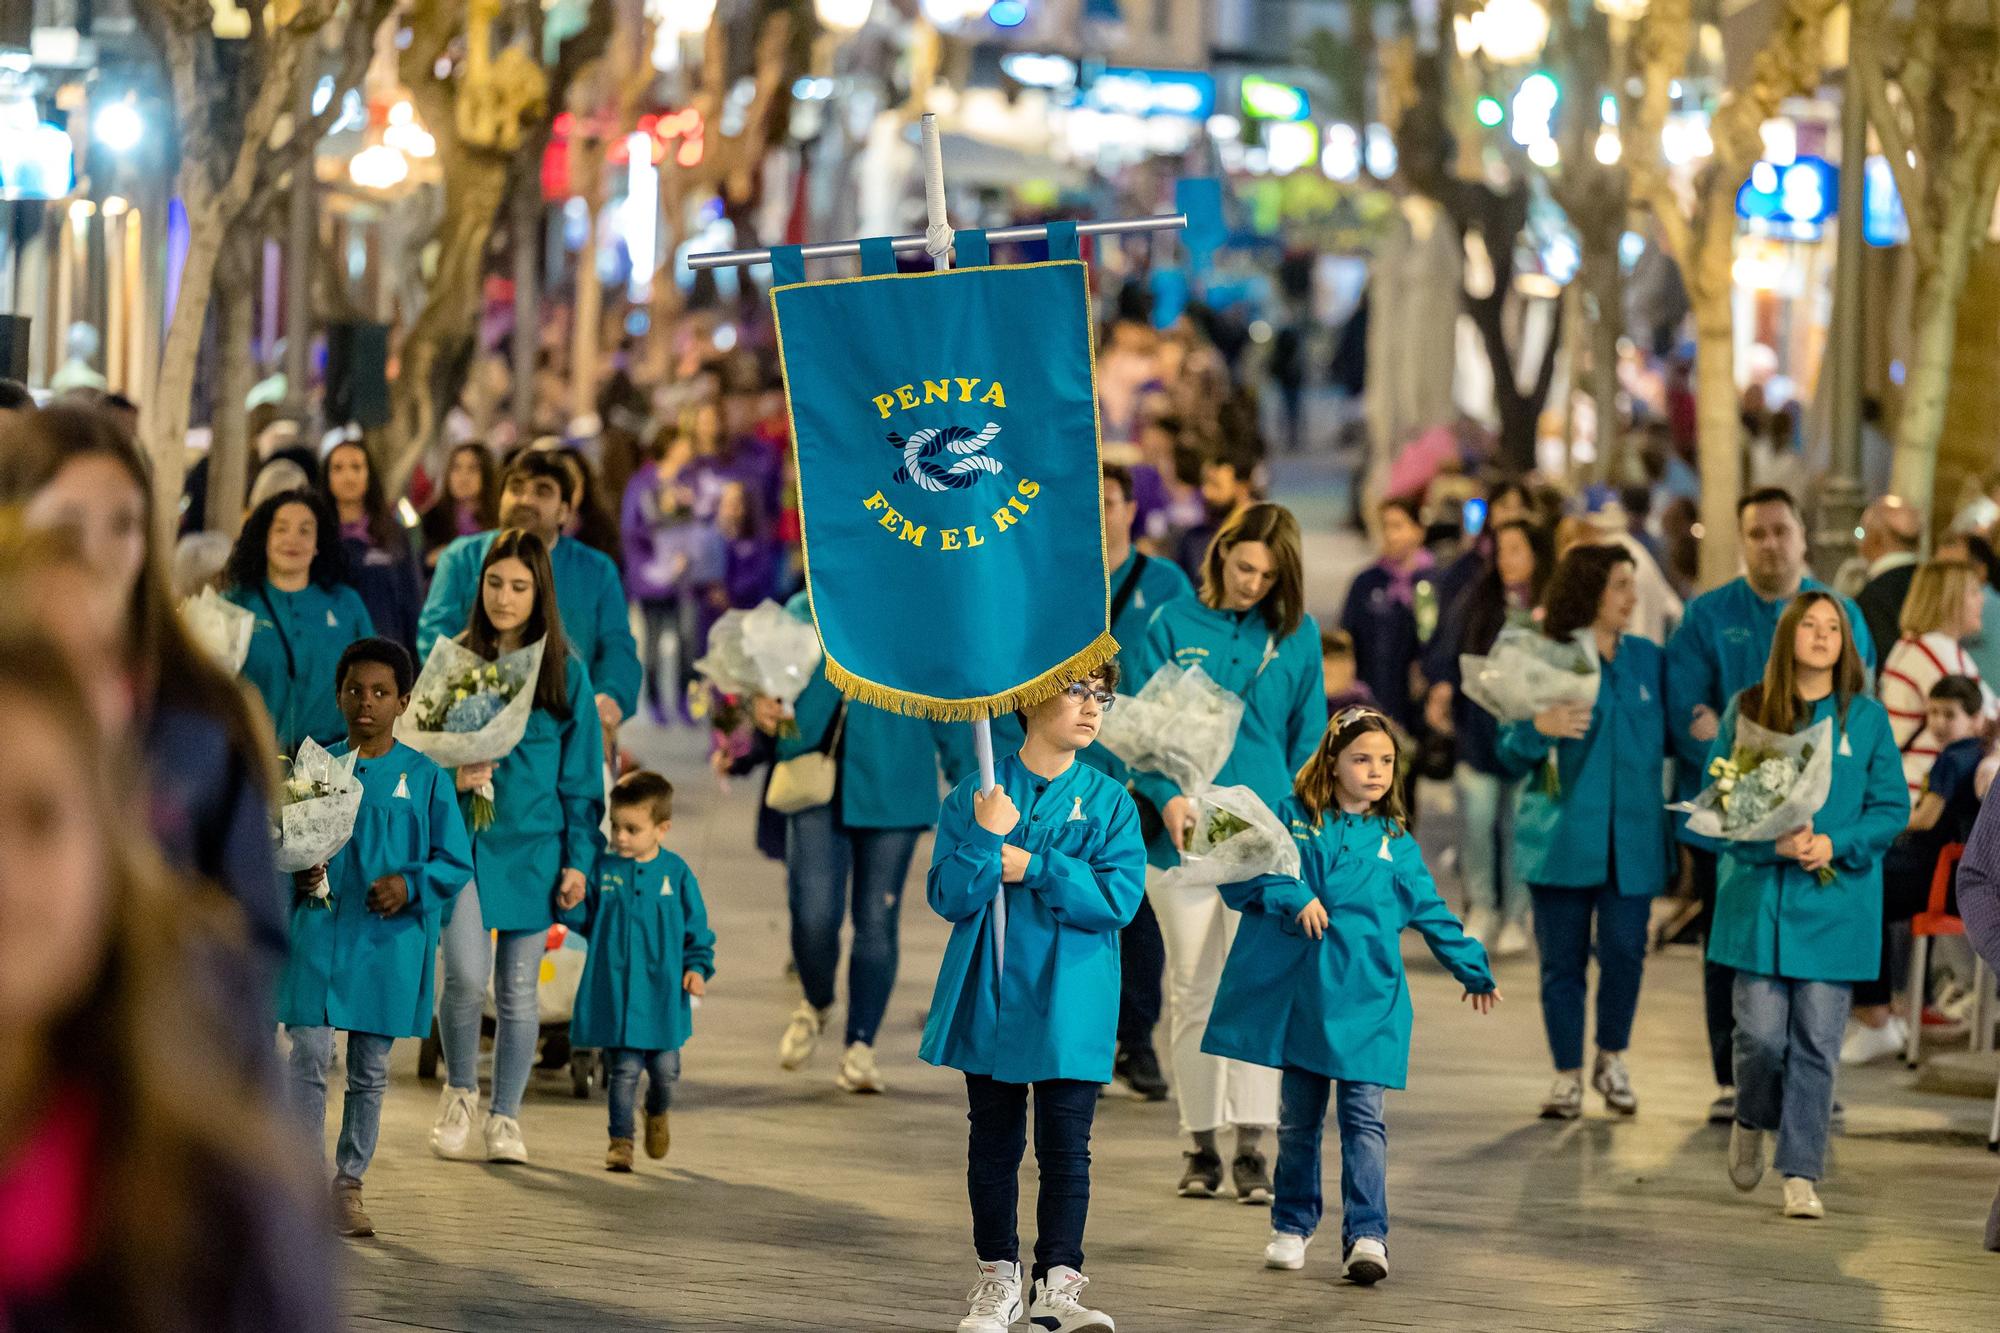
column 229, row 442
column 1718, row 414
column 1604, row 282
column 163, row 416
column 586, row 319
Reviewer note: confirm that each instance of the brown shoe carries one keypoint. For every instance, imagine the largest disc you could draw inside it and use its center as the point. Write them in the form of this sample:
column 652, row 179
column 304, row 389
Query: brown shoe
column 348, row 1216
column 618, row 1157
column 657, row 1137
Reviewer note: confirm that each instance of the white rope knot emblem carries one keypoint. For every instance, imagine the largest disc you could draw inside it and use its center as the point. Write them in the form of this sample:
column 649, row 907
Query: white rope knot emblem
column 946, row 459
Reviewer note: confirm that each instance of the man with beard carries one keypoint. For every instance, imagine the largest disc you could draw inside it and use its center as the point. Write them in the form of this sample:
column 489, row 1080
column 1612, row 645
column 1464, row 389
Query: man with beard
column 538, row 496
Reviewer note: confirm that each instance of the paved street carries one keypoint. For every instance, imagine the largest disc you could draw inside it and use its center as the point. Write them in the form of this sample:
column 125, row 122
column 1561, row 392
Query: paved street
column 789, row 1205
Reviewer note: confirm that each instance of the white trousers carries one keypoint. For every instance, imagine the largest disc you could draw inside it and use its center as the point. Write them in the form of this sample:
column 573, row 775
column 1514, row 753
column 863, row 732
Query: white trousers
column 1197, row 927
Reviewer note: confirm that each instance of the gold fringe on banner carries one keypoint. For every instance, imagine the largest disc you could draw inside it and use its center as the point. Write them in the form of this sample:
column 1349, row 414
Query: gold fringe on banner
column 1050, row 683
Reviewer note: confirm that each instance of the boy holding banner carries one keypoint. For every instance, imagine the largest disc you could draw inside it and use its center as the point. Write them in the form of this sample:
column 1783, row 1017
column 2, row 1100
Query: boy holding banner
column 1033, row 1004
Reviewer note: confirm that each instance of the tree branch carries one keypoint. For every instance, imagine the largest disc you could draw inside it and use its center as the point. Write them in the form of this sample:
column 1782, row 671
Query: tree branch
column 1662, row 41
column 1865, row 58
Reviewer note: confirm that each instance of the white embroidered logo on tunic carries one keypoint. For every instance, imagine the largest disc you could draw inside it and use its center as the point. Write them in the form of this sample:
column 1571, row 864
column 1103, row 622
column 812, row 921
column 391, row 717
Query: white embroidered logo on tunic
column 1845, row 749
column 403, row 786
column 1645, row 695
column 331, row 623
column 1075, row 811
column 1383, row 854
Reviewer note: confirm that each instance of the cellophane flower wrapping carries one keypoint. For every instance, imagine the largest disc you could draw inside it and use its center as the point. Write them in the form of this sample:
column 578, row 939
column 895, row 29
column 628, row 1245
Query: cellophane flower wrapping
column 765, row 650
column 318, row 802
column 1181, row 725
column 467, row 710
column 1769, row 784
column 1527, row 672
column 1235, row 837
column 220, row 627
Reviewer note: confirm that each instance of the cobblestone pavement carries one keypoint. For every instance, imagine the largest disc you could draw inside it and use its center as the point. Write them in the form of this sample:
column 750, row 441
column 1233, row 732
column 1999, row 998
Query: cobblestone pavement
column 787, row 1204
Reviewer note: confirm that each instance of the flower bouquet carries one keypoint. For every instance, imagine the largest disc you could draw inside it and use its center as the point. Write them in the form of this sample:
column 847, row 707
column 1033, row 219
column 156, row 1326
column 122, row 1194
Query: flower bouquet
column 467, row 710
column 1766, row 786
column 1181, row 725
column 317, row 804
column 1234, row 837
column 220, row 627
column 1525, row 673
column 765, row 650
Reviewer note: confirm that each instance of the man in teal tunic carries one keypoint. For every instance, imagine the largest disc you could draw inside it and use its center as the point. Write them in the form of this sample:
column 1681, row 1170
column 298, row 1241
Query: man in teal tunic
column 1718, row 652
column 364, row 929
column 588, row 590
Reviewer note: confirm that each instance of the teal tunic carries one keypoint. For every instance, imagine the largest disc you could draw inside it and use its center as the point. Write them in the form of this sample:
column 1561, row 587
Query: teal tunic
column 1777, row 920
column 1159, row 582
column 299, row 690
column 548, row 799
column 1608, row 823
column 1718, row 652
column 647, row 929
column 589, row 595
column 350, row 968
column 1053, row 1011
column 1280, row 682
column 1338, row 1006
column 888, row 763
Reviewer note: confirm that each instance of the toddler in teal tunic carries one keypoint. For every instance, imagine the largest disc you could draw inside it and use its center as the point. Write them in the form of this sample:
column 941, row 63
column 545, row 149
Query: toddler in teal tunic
column 1314, row 984
column 651, row 955
column 363, row 955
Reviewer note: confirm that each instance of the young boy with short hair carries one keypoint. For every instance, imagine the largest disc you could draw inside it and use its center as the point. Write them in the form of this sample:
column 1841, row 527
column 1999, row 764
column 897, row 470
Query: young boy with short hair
column 651, row 954
column 1053, row 851
column 363, row 958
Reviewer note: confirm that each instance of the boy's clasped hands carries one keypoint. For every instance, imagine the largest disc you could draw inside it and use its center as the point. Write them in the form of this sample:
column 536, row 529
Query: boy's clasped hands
column 1312, row 920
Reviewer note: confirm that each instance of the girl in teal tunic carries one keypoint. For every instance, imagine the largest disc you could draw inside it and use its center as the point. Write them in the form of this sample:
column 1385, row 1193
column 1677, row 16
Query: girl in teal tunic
column 362, row 954
column 1591, row 834
column 651, row 955
column 548, row 801
column 1314, row 985
column 1035, row 1006
column 1248, row 631
column 286, row 570
column 1798, row 945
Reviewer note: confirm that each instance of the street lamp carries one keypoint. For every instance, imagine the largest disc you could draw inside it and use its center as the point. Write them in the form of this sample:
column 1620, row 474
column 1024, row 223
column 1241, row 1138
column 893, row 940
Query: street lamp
column 843, row 15
column 949, row 13
column 1510, row 32
column 681, row 18
column 119, row 127
column 378, row 167
column 1628, row 10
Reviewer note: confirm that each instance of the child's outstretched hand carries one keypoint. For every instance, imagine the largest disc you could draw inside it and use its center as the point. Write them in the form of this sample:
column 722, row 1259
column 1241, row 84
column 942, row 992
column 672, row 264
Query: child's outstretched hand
column 1312, row 919
column 1483, row 1002
column 693, row 984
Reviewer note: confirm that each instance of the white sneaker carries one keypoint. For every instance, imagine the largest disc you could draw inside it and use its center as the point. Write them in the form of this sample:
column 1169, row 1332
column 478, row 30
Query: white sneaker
column 996, row 1299
column 1480, row 923
column 1286, row 1250
column 451, row 1132
column 1802, row 1200
column 1865, row 1045
column 858, row 1072
column 1614, row 1084
column 801, row 1036
column 503, row 1140
column 1513, row 941
column 1058, row 1305
column 1367, row 1262
column 1565, row 1099
column 1746, row 1156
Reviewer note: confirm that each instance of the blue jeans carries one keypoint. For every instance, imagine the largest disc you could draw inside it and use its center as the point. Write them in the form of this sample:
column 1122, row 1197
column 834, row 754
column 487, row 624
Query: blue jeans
column 622, row 1067
column 1486, row 845
column 1787, row 1041
column 361, row 1114
column 514, row 962
column 998, row 1112
column 1562, row 933
column 819, row 851
column 1364, row 1158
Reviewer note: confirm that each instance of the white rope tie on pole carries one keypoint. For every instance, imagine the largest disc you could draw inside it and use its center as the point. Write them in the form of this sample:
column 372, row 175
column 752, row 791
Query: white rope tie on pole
column 937, row 236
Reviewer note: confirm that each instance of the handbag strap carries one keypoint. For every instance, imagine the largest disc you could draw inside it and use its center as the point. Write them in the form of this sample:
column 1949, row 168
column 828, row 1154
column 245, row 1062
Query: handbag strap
column 284, row 639
column 1129, row 585
column 832, row 746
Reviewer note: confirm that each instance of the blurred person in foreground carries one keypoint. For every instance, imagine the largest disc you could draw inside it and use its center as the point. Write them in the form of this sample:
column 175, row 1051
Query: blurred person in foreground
column 145, row 1182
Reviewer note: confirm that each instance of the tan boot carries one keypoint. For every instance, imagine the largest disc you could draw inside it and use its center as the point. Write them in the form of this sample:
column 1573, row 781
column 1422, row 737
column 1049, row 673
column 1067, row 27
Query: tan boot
column 348, row 1217
column 618, row 1157
column 657, row 1137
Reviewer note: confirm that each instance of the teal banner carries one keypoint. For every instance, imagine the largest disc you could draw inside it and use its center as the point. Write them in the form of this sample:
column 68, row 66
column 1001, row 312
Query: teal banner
column 947, row 443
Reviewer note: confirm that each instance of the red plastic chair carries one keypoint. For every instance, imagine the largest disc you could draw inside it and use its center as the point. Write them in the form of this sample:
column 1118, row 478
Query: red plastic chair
column 1930, row 922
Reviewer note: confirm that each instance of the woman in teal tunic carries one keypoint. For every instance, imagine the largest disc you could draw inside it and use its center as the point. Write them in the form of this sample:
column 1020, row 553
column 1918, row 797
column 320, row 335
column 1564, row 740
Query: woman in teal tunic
column 1590, row 832
column 1034, row 1005
column 1314, row 985
column 287, row 570
column 1798, row 944
column 548, row 801
column 1248, row 631
column 362, row 954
